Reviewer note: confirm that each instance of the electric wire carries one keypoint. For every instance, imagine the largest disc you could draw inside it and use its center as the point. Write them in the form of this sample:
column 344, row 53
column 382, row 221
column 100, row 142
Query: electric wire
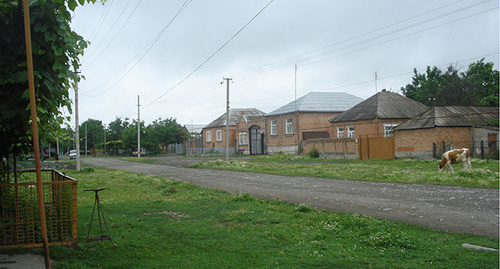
column 144, row 51
column 211, row 56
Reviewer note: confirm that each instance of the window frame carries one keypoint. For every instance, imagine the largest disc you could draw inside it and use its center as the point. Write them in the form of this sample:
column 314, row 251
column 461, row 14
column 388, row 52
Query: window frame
column 340, row 132
column 350, row 131
column 389, row 132
column 289, row 126
column 218, row 135
column 243, row 138
column 274, row 127
column 208, row 136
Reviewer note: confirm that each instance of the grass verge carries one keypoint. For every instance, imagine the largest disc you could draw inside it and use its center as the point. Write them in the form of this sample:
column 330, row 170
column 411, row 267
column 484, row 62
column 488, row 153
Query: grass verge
column 161, row 223
column 484, row 173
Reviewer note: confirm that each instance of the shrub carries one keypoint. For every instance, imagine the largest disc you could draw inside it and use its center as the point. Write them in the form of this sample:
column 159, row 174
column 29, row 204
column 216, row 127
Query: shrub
column 313, row 153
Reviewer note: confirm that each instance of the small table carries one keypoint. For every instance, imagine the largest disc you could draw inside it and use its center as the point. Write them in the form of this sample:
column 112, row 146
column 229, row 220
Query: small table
column 100, row 216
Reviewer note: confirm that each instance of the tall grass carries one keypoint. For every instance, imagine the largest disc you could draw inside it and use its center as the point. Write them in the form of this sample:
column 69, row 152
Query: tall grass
column 162, row 223
column 484, row 173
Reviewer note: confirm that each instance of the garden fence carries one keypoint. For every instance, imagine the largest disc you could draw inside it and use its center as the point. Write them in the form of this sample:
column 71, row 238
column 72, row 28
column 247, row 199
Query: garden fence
column 20, row 218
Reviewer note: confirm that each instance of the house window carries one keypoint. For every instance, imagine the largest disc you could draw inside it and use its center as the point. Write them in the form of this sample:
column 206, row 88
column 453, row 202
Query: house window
column 289, row 126
column 243, row 139
column 389, row 130
column 340, row 131
column 350, row 131
column 274, row 127
column 209, row 136
column 219, row 135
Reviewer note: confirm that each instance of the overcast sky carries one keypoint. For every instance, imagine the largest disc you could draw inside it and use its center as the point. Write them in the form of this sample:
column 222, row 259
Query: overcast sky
column 175, row 54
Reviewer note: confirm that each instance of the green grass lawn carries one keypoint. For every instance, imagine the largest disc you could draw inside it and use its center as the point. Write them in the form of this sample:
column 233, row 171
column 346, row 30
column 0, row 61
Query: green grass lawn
column 162, row 223
column 484, row 173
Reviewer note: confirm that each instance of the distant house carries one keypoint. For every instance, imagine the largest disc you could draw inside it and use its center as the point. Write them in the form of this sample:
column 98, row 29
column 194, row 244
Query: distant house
column 306, row 117
column 441, row 128
column 377, row 116
column 214, row 134
column 194, row 144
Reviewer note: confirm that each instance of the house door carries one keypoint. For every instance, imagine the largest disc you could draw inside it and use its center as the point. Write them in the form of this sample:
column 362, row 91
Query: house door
column 256, row 145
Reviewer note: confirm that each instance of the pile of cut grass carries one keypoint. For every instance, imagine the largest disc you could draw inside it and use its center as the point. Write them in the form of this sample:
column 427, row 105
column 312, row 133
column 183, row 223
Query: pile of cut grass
column 161, row 223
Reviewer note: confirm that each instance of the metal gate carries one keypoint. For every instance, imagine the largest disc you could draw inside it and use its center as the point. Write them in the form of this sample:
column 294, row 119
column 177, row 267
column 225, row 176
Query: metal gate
column 256, row 141
column 377, row 148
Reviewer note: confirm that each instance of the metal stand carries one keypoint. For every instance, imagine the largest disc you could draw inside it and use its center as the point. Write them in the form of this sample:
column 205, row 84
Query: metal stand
column 100, row 216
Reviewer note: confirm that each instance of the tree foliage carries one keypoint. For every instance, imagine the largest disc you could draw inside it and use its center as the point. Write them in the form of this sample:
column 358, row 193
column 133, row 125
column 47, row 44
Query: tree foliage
column 56, row 50
column 478, row 86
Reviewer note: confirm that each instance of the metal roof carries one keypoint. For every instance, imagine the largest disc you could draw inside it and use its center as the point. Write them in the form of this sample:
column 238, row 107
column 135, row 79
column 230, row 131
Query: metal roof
column 383, row 105
column 234, row 116
column 319, row 102
column 451, row 116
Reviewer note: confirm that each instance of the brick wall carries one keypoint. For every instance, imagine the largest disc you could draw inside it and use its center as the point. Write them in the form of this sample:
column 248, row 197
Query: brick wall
column 335, row 148
column 222, row 143
column 364, row 128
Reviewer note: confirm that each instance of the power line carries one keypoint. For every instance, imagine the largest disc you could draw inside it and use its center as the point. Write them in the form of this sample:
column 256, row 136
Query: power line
column 117, row 33
column 145, row 50
column 307, row 60
column 211, row 56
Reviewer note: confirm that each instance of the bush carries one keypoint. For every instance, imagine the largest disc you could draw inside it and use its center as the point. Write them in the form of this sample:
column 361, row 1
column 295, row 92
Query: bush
column 313, row 153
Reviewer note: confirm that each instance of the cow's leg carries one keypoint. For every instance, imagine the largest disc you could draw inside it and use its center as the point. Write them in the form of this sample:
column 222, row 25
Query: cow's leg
column 467, row 164
column 451, row 167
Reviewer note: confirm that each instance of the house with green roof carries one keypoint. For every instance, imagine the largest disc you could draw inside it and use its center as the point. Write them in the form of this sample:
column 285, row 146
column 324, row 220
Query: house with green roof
column 305, row 118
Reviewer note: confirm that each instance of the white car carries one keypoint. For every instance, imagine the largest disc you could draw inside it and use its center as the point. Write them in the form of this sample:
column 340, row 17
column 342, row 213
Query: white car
column 72, row 154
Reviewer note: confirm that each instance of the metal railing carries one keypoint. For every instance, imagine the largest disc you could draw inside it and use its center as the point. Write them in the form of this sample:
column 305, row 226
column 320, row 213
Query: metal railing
column 19, row 212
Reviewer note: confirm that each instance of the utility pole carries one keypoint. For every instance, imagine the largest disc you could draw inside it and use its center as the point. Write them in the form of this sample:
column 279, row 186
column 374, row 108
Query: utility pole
column 85, row 139
column 138, row 128
column 104, row 139
column 77, row 123
column 227, row 117
column 376, row 78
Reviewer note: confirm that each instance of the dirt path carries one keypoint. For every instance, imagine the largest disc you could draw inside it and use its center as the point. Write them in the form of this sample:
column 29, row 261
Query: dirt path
column 469, row 210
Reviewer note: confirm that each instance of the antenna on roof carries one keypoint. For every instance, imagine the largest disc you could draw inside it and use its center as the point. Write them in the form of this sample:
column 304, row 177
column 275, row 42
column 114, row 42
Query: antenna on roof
column 295, row 88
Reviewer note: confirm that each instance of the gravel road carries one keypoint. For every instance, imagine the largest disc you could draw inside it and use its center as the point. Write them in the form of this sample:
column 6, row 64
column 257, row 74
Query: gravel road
column 457, row 209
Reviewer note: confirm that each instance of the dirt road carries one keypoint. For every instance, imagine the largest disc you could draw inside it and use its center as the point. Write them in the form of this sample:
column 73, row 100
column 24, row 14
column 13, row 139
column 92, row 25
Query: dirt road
column 469, row 210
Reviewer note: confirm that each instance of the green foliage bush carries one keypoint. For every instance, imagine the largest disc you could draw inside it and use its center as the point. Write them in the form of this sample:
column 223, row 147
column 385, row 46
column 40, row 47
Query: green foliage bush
column 313, row 153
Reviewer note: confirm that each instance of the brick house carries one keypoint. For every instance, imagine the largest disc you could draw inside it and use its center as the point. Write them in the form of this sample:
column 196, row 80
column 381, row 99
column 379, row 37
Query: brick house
column 250, row 131
column 377, row 116
column 440, row 128
column 306, row 117
column 214, row 134
column 374, row 118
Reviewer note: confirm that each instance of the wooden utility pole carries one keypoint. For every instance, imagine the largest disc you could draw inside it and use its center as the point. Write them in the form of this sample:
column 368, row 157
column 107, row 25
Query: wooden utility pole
column 77, row 125
column 227, row 117
column 138, row 127
column 34, row 128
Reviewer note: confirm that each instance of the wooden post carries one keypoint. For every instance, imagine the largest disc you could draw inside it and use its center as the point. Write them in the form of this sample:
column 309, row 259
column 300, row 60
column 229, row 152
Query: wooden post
column 482, row 149
column 34, row 128
column 434, row 150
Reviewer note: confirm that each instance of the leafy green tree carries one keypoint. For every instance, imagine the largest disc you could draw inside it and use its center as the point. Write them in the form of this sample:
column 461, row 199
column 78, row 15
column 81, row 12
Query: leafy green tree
column 129, row 136
column 95, row 134
column 165, row 132
column 116, row 128
column 485, row 80
column 56, row 50
column 478, row 86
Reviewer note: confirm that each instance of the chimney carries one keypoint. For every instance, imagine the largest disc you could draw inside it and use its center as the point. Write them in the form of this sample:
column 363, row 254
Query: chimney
column 384, row 90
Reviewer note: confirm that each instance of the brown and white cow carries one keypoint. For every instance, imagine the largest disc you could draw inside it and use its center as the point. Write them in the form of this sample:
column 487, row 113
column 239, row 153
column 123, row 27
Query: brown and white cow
column 455, row 156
